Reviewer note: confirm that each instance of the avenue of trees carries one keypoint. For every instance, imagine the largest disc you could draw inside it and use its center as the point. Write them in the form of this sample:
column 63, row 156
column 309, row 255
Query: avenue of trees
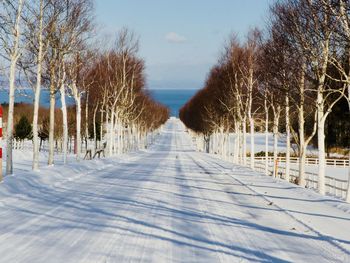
column 48, row 44
column 288, row 78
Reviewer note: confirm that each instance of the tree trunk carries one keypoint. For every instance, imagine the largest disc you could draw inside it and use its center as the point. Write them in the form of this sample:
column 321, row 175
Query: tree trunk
column 240, row 143
column 117, row 143
column 35, row 164
column 94, row 127
column 244, row 146
column 250, row 118
column 120, row 134
column 78, row 124
column 52, row 125
column 287, row 175
column 222, row 143
column 236, row 143
column 14, row 58
column 109, row 133
column 252, row 143
column 266, row 139
column 301, row 130
column 64, row 122
column 302, row 147
column 302, row 160
column 348, row 190
column 108, row 130
column 101, row 127
column 9, row 128
column 227, row 145
column 321, row 144
column 87, row 120
column 275, row 140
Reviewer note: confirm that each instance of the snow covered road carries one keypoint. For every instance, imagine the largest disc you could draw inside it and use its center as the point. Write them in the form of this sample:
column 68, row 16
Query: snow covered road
column 170, row 204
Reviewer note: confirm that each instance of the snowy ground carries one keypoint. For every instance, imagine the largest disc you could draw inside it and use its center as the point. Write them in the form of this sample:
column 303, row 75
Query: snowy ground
column 259, row 142
column 166, row 204
column 339, row 172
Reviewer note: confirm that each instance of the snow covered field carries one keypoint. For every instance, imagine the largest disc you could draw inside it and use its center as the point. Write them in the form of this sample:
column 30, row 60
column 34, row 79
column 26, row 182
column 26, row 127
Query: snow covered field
column 166, row 204
column 340, row 172
column 259, row 140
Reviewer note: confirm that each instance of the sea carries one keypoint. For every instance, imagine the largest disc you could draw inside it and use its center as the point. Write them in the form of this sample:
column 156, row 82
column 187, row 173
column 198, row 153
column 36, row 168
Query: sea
column 174, row 99
column 27, row 96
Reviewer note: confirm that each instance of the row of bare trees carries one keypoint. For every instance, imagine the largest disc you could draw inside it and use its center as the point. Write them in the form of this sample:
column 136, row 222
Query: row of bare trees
column 119, row 95
column 296, row 71
column 47, row 44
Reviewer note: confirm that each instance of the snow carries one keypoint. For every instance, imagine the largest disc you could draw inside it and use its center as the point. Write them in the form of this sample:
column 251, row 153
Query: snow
column 339, row 172
column 166, row 204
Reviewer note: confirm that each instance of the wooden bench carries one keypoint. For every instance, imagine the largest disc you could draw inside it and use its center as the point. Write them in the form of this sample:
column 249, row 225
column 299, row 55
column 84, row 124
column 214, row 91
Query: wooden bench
column 98, row 152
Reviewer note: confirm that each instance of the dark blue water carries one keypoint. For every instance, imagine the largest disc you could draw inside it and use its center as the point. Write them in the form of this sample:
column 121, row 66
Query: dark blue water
column 173, row 99
column 27, row 96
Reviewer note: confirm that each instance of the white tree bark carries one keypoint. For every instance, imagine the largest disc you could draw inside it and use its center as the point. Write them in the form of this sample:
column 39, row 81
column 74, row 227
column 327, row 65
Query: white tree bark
column 35, row 164
column 94, row 127
column 108, row 130
column 14, row 56
column 222, row 142
column 251, row 119
column 227, row 145
column 266, row 137
column 276, row 118
column 240, row 143
column 244, row 146
column 111, row 134
column 119, row 132
column 64, row 122
column 321, row 144
column 347, row 199
column 302, row 146
column 87, row 120
column 101, row 126
column 287, row 175
column 77, row 98
column 52, row 125
column 236, row 143
column 9, row 129
column 348, row 190
column 78, row 124
column 252, row 142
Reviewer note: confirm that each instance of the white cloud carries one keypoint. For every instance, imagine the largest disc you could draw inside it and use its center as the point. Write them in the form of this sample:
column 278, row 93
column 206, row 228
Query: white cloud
column 175, row 38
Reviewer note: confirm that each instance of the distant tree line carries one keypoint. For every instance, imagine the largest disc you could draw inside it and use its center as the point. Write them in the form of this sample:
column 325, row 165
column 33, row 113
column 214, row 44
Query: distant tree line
column 293, row 77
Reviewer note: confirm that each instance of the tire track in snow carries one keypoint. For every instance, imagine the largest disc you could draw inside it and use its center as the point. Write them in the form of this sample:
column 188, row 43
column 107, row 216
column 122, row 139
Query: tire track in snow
column 335, row 246
column 247, row 248
column 68, row 199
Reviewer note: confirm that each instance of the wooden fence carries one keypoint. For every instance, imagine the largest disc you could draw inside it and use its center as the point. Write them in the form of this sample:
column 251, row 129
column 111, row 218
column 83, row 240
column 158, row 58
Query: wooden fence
column 334, row 186
column 309, row 161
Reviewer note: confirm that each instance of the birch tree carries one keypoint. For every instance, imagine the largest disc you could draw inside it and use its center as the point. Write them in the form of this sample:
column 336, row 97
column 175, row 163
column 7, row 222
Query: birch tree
column 252, row 78
column 35, row 26
column 340, row 60
column 290, row 24
column 68, row 29
column 10, row 37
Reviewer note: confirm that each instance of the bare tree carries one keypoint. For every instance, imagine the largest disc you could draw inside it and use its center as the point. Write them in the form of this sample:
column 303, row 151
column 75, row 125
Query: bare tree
column 67, row 31
column 10, row 37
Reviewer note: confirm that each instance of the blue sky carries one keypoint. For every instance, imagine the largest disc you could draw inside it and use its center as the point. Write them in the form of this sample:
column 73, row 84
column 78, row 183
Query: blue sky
column 180, row 39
